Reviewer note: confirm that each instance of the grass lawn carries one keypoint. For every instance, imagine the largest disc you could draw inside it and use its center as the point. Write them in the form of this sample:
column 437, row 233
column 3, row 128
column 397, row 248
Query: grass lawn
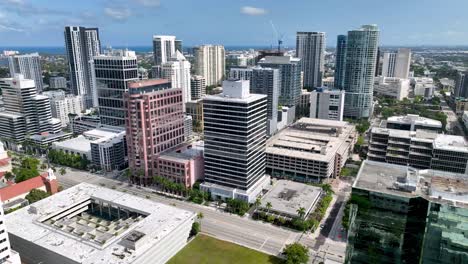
column 208, row 250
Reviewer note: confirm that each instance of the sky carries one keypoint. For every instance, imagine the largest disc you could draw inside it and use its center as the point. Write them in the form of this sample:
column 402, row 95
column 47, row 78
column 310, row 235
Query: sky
column 232, row 22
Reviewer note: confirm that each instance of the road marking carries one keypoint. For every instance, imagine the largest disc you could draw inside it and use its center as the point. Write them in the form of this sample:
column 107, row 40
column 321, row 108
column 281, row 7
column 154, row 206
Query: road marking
column 264, row 242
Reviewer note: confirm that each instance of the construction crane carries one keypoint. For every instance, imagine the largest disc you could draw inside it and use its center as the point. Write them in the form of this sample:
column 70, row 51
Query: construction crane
column 278, row 36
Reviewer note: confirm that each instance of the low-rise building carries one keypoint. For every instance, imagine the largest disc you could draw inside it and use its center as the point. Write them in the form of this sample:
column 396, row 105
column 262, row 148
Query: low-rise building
column 392, row 87
column 461, row 105
column 310, row 150
column 419, row 149
column 329, row 82
column 286, row 197
column 184, row 164
column 56, row 82
column 423, row 86
column 404, row 215
column 13, row 195
column 412, row 123
column 104, row 147
column 91, row 224
column 40, row 143
column 286, row 116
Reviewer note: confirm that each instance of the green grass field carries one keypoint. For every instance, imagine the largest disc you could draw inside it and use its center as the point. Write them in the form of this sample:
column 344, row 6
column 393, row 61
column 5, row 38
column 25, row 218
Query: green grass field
column 208, row 250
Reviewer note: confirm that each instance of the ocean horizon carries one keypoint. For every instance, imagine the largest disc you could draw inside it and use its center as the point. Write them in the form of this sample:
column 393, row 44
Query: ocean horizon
column 51, row 50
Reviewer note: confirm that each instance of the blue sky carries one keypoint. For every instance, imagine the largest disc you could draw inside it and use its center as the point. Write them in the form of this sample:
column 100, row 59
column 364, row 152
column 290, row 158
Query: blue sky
column 232, row 22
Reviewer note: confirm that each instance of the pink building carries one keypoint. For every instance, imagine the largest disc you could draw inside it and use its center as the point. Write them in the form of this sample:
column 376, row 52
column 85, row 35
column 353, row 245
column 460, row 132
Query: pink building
column 154, row 123
column 184, row 164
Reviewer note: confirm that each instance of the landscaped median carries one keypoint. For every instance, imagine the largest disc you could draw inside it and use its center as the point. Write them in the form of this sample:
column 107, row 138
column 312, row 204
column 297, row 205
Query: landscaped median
column 207, row 250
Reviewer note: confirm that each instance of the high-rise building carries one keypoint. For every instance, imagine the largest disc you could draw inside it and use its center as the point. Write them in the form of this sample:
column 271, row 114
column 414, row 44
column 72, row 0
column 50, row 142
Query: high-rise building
column 461, row 85
column 57, row 82
column 197, row 87
column 361, row 53
column 267, row 81
column 397, row 64
column 327, row 104
column 154, row 123
column 82, row 44
column 340, row 63
column 310, row 48
column 164, row 47
column 26, row 113
column 63, row 105
column 112, row 71
column 210, row 62
column 235, row 137
column 29, row 65
column 177, row 71
column 290, row 71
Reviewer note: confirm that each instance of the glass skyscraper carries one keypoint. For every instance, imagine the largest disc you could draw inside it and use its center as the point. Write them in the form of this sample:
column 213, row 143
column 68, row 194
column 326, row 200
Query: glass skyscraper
column 340, row 64
column 361, row 53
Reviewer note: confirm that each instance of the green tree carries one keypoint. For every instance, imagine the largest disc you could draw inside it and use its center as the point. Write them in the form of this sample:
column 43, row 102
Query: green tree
column 200, row 216
column 296, row 254
column 257, row 203
column 301, row 212
column 195, row 229
column 9, row 175
column 62, row 171
column 36, row 195
column 268, row 206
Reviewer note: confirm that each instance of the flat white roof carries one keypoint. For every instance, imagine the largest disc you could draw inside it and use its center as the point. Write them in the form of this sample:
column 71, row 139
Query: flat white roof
column 222, row 98
column 288, row 196
column 79, row 144
column 159, row 222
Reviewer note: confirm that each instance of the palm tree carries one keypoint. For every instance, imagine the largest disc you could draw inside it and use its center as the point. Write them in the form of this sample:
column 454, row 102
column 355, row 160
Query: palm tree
column 128, row 174
column 301, row 212
column 200, row 216
column 268, row 206
column 257, row 203
column 62, row 171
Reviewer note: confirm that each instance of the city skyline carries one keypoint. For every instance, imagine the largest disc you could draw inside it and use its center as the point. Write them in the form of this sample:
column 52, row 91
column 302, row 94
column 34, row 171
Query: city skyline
column 134, row 22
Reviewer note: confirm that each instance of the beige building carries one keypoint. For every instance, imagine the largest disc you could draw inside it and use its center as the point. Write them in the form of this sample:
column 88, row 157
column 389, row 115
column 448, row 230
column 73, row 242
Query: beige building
column 210, row 62
column 310, row 150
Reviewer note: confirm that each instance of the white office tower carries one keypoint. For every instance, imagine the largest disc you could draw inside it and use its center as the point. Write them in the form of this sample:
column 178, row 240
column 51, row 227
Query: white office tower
column 210, row 62
column 361, row 59
column 29, row 65
column 164, row 47
column 235, row 138
column 111, row 73
column 26, row 113
column 63, row 105
column 57, row 82
column 7, row 255
column 310, row 48
column 82, row 44
column 397, row 88
column 240, row 73
column 177, row 71
column 197, row 87
column 326, row 103
column 397, row 64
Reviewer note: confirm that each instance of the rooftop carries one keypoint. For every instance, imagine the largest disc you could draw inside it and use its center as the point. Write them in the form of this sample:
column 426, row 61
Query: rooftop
column 288, row 196
column 80, row 144
column 313, row 139
column 416, row 119
column 404, row 181
column 69, row 224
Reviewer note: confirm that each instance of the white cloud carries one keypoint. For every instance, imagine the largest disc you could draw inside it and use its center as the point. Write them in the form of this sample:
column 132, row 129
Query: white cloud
column 117, row 13
column 253, row 11
column 5, row 28
column 149, row 3
column 15, row 2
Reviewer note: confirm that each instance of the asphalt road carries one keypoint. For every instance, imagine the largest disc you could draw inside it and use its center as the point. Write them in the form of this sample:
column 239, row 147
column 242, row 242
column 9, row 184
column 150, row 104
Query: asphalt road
column 243, row 231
